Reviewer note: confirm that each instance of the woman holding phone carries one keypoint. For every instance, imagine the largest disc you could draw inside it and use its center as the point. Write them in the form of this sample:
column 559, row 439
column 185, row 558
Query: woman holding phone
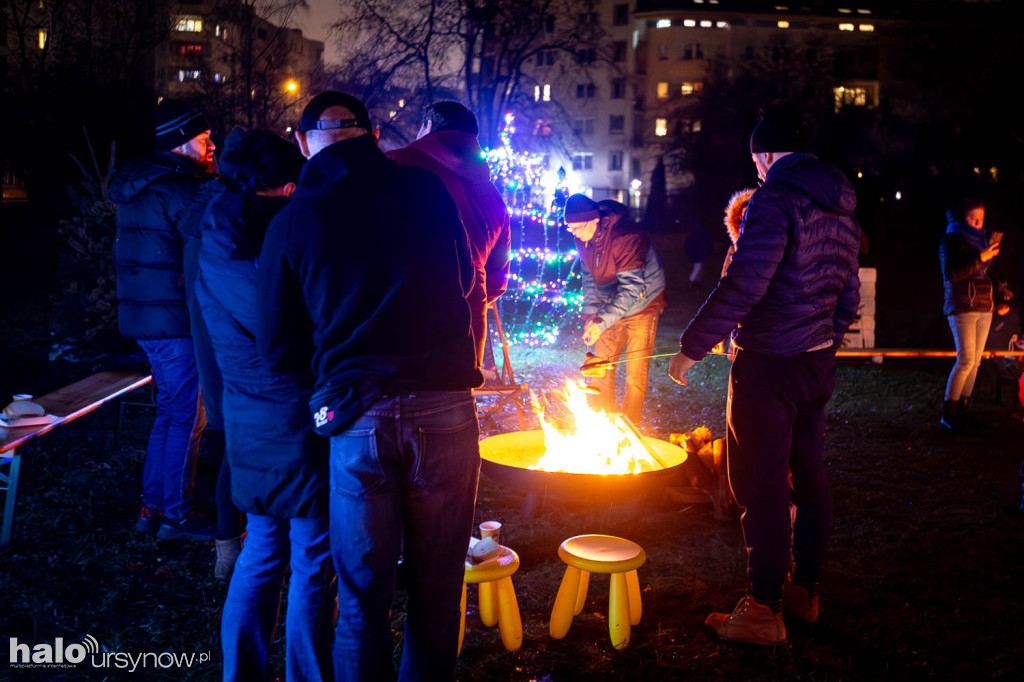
column 965, row 253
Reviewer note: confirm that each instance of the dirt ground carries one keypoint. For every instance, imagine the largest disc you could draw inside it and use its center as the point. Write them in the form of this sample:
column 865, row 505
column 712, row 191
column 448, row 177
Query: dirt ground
column 923, row 580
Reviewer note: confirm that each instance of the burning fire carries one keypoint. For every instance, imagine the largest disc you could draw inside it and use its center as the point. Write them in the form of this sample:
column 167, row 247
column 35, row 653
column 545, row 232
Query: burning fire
column 595, row 442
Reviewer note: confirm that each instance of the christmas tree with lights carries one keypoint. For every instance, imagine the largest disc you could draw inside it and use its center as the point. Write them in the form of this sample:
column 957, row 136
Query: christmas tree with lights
column 543, row 299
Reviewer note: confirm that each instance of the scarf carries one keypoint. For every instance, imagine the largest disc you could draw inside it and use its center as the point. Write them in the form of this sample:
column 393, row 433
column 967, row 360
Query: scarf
column 979, row 239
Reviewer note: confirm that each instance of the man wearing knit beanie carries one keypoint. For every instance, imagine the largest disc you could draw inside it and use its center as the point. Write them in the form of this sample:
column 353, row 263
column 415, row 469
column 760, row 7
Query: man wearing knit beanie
column 623, row 295
column 790, row 292
column 155, row 259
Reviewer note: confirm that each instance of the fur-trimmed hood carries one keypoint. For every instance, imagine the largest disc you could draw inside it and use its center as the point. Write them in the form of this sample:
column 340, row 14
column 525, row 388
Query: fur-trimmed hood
column 734, row 212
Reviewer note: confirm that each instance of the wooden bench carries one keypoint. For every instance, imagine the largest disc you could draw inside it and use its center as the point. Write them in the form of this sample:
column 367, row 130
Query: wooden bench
column 67, row 404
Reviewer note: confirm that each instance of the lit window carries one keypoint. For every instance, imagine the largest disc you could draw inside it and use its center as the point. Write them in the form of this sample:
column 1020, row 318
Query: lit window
column 866, row 27
column 689, row 23
column 663, row 23
column 401, row 104
column 42, row 38
column 863, row 11
column 547, row 92
column 690, row 88
column 853, row 97
column 536, row 93
column 217, row 78
column 663, row 90
column 722, row 24
column 661, row 127
column 843, row 10
column 695, row 127
column 781, row 8
column 188, row 75
column 783, row 24
column 216, row 31
column 190, row 24
column 705, row 24
column 392, row 113
column 845, row 27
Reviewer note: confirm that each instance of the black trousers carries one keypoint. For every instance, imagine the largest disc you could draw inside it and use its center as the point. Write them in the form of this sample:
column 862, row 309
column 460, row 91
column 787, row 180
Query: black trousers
column 776, row 444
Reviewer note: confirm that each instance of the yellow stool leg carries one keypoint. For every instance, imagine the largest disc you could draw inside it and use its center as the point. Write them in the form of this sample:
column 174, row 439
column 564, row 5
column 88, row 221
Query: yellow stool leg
column 488, row 603
column 581, row 595
column 462, row 617
column 509, row 623
column 635, row 607
column 618, row 611
column 565, row 603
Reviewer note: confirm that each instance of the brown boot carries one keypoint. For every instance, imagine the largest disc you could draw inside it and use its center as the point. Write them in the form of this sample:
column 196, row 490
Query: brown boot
column 749, row 622
column 799, row 603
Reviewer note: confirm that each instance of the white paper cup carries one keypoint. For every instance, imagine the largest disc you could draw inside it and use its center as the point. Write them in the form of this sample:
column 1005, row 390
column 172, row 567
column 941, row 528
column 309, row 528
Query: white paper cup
column 490, row 529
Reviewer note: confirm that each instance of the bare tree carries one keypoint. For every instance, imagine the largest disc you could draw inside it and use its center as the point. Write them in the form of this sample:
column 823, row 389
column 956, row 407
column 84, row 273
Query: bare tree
column 479, row 51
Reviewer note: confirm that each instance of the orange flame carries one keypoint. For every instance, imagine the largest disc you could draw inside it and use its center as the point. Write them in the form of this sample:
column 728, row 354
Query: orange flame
column 595, row 443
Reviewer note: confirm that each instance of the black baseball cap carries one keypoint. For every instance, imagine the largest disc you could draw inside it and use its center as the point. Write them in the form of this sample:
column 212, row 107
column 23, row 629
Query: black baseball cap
column 325, row 100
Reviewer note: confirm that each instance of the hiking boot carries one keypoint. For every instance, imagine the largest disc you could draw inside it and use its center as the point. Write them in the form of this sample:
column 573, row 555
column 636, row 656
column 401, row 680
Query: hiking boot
column 193, row 526
column 149, row 520
column 227, row 555
column 750, row 622
column 800, row 603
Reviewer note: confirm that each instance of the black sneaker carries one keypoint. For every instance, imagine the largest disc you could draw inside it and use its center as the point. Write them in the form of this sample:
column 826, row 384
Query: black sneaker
column 149, row 520
column 193, row 526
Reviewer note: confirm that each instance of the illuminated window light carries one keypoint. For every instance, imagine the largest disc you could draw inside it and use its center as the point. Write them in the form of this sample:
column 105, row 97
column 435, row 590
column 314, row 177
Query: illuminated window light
column 663, row 90
column 663, row 23
column 845, row 27
column 866, row 27
column 783, row 23
column 536, row 93
column 687, row 89
column 689, row 23
column 187, row 24
column 843, row 10
column 42, row 38
column 722, row 24
column 863, row 11
column 401, row 104
column 547, row 92
column 705, row 24
column 661, row 127
column 781, row 8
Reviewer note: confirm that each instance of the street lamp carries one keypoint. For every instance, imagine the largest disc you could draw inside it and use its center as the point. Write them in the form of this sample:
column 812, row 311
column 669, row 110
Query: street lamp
column 291, row 85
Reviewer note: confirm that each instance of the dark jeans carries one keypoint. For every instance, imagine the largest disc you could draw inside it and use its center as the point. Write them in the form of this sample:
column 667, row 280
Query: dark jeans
column 403, row 483
column 634, row 335
column 168, row 475
column 776, row 428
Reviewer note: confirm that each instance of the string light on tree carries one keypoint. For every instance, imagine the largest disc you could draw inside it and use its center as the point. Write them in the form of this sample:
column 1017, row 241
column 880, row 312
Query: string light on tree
column 543, row 299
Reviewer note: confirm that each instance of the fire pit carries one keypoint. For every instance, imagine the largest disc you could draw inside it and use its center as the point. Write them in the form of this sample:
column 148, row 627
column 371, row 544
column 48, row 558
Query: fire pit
column 596, row 456
column 507, row 458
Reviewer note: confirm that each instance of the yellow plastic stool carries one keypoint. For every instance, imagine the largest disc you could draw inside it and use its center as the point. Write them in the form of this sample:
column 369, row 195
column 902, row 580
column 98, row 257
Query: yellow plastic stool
column 586, row 554
column 497, row 596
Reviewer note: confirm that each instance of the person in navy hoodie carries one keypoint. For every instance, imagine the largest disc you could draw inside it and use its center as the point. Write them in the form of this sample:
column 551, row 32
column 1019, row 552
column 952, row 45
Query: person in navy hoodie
column 364, row 277
column 277, row 465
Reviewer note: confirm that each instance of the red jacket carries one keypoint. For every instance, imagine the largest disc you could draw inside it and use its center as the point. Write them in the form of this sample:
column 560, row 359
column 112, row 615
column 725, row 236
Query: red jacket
column 457, row 159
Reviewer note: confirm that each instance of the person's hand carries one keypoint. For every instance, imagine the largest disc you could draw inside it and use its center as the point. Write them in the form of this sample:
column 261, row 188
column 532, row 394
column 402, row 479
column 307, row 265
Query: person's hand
column 678, row 366
column 591, row 333
column 587, row 318
column 1002, row 309
column 990, row 253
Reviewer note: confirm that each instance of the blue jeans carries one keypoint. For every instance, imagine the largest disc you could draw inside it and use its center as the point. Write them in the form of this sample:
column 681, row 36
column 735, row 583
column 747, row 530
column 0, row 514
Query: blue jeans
column 254, row 598
column 635, row 335
column 168, row 475
column 403, row 484
column 970, row 332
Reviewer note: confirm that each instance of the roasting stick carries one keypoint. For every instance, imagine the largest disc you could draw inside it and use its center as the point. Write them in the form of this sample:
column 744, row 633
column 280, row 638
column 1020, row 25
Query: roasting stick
column 858, row 353
column 636, row 432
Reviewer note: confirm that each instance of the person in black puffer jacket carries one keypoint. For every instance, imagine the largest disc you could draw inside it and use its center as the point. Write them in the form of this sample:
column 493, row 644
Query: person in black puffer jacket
column 965, row 252
column 278, row 465
column 158, row 205
column 792, row 290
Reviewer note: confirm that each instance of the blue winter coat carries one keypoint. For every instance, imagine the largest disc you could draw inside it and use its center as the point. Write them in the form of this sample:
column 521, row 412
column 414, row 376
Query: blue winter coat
column 157, row 205
column 792, row 284
column 278, row 464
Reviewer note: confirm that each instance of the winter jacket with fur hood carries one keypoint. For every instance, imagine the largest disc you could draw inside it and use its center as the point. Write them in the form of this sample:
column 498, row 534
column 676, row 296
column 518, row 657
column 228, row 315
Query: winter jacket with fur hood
column 792, row 285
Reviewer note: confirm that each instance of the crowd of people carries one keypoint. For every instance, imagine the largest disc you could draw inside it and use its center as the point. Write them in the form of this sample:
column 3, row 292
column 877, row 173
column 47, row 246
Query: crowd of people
column 315, row 315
